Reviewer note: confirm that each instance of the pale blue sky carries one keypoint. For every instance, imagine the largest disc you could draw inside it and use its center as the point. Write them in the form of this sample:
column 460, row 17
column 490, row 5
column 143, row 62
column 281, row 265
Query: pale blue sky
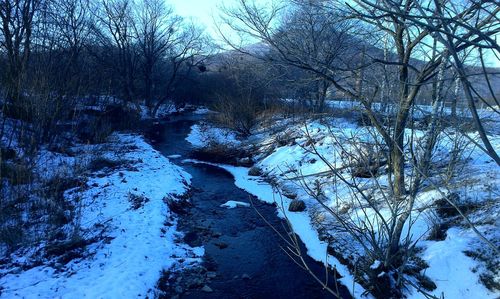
column 199, row 10
column 204, row 11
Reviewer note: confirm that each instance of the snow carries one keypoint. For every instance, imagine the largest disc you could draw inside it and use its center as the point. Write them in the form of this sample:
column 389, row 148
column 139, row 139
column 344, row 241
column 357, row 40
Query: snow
column 137, row 246
column 164, row 110
column 50, row 164
column 201, row 110
column 231, row 204
column 476, row 183
column 419, row 111
column 451, row 269
column 375, row 264
column 203, row 134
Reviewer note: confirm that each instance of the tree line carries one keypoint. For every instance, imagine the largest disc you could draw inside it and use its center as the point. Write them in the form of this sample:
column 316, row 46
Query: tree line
column 53, row 52
column 388, row 56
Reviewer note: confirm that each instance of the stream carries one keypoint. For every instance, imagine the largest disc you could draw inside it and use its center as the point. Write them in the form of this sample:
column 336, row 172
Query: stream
column 242, row 253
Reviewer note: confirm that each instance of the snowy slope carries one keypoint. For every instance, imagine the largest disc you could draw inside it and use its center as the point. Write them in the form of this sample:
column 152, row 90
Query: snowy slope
column 455, row 274
column 451, row 267
column 138, row 239
column 203, row 134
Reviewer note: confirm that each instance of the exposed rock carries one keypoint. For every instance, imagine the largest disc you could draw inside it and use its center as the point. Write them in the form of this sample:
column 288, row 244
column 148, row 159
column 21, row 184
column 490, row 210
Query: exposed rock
column 210, row 264
column 221, row 245
column 290, row 194
column 297, row 206
column 178, row 205
column 211, row 274
column 245, row 276
column 246, row 162
column 255, row 171
column 344, row 208
column 195, row 282
column 207, row 289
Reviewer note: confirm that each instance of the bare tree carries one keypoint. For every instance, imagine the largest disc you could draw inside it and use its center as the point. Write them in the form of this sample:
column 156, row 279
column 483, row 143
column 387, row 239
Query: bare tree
column 314, row 34
column 157, row 30
column 185, row 51
column 410, row 32
column 72, row 18
column 405, row 40
column 115, row 34
column 17, row 19
column 451, row 27
column 247, row 86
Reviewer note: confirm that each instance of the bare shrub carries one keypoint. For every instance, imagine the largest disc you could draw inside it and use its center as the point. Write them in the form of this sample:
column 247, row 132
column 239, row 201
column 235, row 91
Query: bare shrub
column 100, row 163
column 220, row 153
column 137, row 201
column 239, row 113
column 384, row 205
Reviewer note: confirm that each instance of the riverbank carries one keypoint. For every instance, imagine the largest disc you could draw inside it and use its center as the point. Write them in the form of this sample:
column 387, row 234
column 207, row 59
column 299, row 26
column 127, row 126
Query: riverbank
column 123, row 235
column 244, row 256
column 287, row 155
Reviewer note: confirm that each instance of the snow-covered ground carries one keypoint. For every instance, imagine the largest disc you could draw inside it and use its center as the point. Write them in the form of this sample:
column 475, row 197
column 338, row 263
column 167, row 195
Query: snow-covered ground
column 100, row 103
column 455, row 274
column 130, row 235
column 203, row 134
column 124, row 212
column 419, row 111
column 169, row 108
column 288, row 158
column 163, row 111
column 231, row 204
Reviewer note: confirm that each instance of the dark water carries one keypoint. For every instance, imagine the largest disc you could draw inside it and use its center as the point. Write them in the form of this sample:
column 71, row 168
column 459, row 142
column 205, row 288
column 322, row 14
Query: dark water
column 253, row 265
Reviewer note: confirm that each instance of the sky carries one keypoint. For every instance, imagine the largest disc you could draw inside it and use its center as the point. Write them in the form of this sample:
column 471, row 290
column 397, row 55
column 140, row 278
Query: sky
column 203, row 12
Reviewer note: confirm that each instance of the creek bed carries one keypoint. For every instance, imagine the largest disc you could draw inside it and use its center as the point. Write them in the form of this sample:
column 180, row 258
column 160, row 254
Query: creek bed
column 243, row 255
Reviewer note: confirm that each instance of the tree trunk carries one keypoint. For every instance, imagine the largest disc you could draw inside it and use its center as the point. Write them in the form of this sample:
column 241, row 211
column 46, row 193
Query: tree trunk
column 472, row 106
column 454, row 100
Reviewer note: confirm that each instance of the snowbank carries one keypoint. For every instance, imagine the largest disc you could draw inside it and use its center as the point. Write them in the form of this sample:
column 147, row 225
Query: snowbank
column 451, row 269
column 138, row 232
column 455, row 274
column 202, row 110
column 164, row 110
column 203, row 134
